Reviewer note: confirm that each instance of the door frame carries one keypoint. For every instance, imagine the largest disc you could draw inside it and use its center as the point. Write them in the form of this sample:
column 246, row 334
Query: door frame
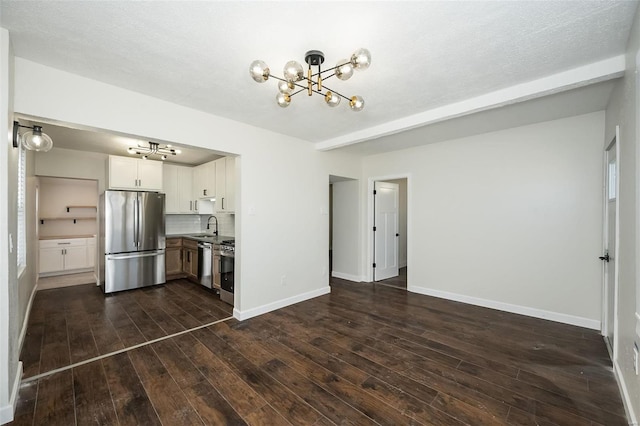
column 368, row 232
column 605, row 236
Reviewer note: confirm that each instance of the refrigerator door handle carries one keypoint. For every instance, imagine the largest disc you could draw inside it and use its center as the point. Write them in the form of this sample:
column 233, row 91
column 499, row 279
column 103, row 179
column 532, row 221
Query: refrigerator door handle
column 133, row 256
column 139, row 219
column 135, row 222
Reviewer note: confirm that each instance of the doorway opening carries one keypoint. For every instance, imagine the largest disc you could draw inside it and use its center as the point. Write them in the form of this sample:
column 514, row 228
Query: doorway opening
column 389, row 236
column 66, row 212
column 344, row 228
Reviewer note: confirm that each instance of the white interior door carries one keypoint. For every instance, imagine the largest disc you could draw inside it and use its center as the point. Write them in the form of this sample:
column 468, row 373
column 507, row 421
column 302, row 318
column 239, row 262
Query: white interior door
column 385, row 224
column 609, row 256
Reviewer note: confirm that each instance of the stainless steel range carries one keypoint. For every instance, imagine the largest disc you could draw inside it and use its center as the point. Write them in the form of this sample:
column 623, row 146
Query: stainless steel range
column 227, row 260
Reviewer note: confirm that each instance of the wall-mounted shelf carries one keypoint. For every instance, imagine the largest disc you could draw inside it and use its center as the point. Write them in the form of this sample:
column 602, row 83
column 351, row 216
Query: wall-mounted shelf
column 74, row 219
column 80, row 207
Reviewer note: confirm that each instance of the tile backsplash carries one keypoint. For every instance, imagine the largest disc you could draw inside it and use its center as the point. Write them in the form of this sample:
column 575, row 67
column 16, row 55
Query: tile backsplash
column 191, row 223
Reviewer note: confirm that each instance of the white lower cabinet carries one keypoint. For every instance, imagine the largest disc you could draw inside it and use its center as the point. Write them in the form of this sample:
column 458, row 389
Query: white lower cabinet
column 92, row 254
column 66, row 254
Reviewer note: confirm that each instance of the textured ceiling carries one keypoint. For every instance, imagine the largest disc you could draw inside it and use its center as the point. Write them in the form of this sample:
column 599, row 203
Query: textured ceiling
column 425, row 55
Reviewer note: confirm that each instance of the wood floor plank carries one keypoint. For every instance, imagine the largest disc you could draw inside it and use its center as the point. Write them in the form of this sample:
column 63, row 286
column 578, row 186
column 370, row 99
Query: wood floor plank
column 55, row 405
column 438, row 375
column 244, row 399
column 181, row 368
column 104, row 333
column 167, row 323
column 171, row 404
column 147, row 326
column 311, row 391
column 131, row 402
column 212, row 408
column 330, row 377
column 82, row 345
column 127, row 330
column 416, row 391
column 91, row 395
column 326, row 403
column 267, row 416
column 55, row 355
column 278, row 396
column 26, row 404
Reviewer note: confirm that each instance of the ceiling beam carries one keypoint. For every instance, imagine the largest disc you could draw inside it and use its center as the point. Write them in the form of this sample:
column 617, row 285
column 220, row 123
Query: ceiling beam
column 571, row 79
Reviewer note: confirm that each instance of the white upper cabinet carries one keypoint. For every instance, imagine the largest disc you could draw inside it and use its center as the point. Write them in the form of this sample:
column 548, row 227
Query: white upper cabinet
column 204, row 180
column 170, row 186
column 225, row 184
column 135, row 174
column 178, row 188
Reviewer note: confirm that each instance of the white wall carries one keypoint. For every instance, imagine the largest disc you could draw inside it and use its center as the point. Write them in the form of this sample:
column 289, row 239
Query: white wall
column 73, row 164
column 509, row 219
column 346, row 230
column 282, row 193
column 58, row 193
column 28, row 280
column 9, row 303
column 623, row 110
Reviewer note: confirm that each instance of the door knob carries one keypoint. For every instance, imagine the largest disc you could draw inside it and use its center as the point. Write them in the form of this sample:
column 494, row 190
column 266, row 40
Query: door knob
column 606, row 257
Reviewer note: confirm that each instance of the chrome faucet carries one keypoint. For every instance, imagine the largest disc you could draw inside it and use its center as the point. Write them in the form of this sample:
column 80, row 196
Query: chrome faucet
column 209, row 225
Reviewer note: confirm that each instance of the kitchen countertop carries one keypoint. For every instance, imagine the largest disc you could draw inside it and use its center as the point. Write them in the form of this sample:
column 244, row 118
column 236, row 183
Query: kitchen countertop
column 199, row 237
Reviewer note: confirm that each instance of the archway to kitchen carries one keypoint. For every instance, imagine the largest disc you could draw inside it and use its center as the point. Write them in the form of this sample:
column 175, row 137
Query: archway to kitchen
column 126, row 318
column 84, row 153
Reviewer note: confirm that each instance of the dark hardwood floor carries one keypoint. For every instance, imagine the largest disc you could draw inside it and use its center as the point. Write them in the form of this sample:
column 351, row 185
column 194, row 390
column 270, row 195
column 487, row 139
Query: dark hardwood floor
column 365, row 354
column 73, row 324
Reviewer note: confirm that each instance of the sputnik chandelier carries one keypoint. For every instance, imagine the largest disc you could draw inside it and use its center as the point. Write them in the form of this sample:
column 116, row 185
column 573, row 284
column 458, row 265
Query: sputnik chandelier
column 295, row 81
column 153, row 149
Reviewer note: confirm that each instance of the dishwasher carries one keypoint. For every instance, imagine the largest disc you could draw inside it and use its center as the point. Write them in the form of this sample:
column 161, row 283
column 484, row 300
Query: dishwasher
column 204, row 264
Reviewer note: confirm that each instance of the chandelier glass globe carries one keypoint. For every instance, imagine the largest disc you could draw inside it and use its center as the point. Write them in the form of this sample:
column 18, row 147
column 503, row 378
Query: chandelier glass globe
column 293, row 71
column 259, row 71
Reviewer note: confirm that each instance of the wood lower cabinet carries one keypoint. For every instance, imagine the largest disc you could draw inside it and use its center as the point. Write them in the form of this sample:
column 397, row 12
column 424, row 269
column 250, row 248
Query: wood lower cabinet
column 190, row 259
column 173, row 259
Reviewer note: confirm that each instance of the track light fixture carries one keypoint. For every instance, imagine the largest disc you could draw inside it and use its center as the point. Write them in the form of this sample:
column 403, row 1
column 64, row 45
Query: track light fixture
column 153, row 149
column 295, row 81
column 33, row 140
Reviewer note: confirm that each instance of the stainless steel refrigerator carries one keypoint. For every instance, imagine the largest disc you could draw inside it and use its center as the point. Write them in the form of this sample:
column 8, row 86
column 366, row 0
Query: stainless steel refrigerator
column 132, row 240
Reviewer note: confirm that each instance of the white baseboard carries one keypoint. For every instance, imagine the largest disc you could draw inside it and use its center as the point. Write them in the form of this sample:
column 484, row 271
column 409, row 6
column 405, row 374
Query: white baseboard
column 624, row 392
column 507, row 307
column 7, row 411
column 348, row 277
column 402, row 264
column 250, row 313
column 25, row 322
column 69, row 272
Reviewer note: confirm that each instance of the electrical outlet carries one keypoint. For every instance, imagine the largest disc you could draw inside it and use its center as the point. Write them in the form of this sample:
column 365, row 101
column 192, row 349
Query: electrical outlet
column 636, row 361
column 283, row 280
